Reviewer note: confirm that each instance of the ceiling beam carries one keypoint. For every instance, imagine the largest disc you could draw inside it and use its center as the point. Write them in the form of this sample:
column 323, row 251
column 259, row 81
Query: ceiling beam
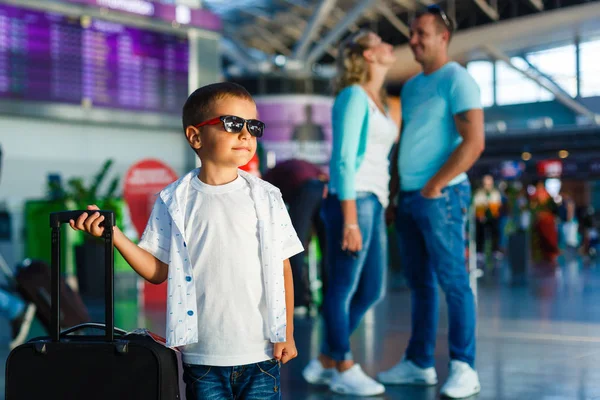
column 282, row 19
column 293, row 29
column 537, row 4
column 257, row 13
column 313, row 27
column 336, row 33
column 410, row 5
column 560, row 95
column 238, row 54
column 297, row 3
column 388, row 14
column 490, row 11
column 340, row 14
column 260, row 44
column 272, row 39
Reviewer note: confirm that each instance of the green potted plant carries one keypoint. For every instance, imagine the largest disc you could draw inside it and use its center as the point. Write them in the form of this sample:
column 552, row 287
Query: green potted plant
column 82, row 255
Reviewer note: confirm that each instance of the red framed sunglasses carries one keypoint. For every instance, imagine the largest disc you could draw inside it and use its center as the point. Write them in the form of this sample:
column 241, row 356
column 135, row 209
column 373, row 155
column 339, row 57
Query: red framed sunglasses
column 233, row 124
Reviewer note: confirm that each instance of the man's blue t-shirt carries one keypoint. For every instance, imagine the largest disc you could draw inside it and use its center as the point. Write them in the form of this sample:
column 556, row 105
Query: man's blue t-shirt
column 429, row 135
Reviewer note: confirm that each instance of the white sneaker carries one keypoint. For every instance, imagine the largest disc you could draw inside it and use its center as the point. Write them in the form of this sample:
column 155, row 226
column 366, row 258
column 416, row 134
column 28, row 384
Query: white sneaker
column 355, row 382
column 316, row 374
column 462, row 382
column 408, row 373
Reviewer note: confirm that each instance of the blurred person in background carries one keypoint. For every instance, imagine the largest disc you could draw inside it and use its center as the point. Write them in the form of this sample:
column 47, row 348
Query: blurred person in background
column 12, row 307
column 569, row 235
column 354, row 210
column 544, row 232
column 488, row 205
column 308, row 130
column 303, row 186
column 442, row 137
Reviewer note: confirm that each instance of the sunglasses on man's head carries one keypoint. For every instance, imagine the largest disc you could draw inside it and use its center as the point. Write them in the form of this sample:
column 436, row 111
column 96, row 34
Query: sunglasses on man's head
column 437, row 10
column 233, row 124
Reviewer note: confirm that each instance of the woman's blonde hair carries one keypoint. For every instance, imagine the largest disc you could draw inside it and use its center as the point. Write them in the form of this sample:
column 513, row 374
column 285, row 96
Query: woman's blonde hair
column 352, row 68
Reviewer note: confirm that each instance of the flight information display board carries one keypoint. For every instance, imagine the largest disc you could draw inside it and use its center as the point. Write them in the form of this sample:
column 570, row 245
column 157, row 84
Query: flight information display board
column 55, row 58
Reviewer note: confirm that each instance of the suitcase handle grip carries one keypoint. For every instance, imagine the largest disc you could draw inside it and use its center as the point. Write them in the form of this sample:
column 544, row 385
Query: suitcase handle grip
column 63, row 217
column 56, row 220
column 93, row 325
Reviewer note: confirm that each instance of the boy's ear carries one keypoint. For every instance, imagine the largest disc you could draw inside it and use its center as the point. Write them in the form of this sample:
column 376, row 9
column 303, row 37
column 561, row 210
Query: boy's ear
column 193, row 137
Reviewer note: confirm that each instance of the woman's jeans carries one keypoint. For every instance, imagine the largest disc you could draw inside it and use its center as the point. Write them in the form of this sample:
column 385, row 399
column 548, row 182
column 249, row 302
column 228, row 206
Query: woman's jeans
column 357, row 282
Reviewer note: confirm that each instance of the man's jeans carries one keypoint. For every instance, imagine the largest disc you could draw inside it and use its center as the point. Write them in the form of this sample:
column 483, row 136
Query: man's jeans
column 431, row 235
column 258, row 381
column 355, row 283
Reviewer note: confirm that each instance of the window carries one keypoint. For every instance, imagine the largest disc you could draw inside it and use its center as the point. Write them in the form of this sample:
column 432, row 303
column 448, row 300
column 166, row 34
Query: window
column 589, row 58
column 483, row 73
column 513, row 87
column 559, row 64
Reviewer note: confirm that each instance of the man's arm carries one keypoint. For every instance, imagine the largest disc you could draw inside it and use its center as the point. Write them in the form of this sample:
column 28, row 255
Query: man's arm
column 285, row 351
column 470, row 126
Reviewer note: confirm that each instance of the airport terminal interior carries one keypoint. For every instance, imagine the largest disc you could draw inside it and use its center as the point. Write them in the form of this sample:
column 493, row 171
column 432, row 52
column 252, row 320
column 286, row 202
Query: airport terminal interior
column 91, row 96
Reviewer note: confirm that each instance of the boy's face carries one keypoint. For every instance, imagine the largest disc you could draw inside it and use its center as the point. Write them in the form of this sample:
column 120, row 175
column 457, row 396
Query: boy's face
column 222, row 149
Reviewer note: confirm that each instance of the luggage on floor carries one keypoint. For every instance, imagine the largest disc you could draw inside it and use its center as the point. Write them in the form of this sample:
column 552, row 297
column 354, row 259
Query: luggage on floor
column 33, row 279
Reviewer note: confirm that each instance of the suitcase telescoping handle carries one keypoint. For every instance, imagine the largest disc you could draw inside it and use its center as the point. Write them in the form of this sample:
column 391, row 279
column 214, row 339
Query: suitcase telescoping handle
column 63, row 217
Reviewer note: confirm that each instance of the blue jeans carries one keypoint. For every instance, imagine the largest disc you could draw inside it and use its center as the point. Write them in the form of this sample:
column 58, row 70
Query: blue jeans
column 355, row 283
column 258, row 381
column 431, row 235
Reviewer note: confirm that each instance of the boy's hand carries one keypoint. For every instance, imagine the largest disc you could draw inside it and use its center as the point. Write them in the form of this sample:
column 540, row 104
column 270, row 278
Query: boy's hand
column 285, row 351
column 89, row 222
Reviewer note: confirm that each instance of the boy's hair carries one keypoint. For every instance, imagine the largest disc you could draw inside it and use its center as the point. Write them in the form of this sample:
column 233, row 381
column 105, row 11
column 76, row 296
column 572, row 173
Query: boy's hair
column 198, row 105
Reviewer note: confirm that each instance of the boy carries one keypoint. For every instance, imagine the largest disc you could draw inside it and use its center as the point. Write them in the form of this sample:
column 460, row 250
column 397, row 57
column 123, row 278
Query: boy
column 222, row 238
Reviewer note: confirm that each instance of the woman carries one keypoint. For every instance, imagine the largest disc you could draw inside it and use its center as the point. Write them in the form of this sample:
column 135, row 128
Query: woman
column 363, row 135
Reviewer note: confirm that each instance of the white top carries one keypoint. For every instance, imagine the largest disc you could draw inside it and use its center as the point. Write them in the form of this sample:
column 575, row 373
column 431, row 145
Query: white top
column 221, row 230
column 164, row 239
column 373, row 175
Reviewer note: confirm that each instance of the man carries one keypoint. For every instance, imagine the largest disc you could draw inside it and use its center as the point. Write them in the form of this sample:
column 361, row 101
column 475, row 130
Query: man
column 442, row 137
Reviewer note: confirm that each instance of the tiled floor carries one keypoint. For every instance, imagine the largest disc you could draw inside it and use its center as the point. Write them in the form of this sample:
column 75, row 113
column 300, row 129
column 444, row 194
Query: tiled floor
column 538, row 340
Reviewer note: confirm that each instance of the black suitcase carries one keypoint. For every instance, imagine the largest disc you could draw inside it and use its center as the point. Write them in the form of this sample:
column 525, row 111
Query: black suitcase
column 68, row 366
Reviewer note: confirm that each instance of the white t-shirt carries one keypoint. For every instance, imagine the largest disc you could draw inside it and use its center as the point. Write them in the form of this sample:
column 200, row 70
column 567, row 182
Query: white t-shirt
column 221, row 230
column 373, row 175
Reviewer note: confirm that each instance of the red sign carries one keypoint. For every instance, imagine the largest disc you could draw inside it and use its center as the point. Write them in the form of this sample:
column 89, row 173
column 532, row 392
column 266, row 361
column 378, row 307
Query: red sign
column 550, row 168
column 143, row 181
column 253, row 165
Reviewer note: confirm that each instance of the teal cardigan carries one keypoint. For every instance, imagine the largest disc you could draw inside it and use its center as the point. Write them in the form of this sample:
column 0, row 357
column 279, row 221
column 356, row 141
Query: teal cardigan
column 350, row 125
